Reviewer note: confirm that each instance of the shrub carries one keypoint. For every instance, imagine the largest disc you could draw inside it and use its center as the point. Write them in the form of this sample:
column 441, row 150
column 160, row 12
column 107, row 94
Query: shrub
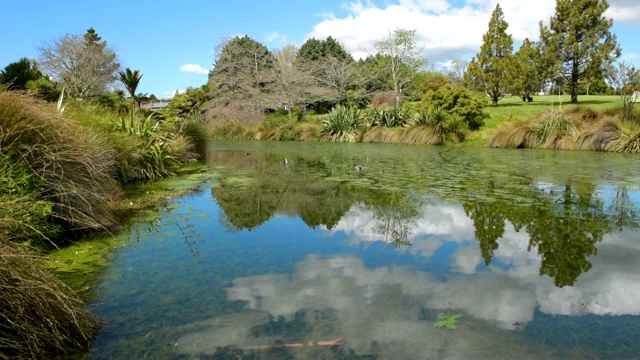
column 453, row 99
column 342, row 124
column 389, row 116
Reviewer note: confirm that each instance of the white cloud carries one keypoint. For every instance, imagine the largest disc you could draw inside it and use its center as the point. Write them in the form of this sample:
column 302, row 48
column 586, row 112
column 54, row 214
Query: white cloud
column 170, row 94
column 384, row 304
column 194, row 68
column 442, row 30
column 446, row 31
column 624, row 11
column 275, row 36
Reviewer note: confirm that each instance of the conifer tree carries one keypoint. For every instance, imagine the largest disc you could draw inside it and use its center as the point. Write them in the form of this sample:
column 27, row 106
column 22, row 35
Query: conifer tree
column 577, row 44
column 491, row 69
column 527, row 77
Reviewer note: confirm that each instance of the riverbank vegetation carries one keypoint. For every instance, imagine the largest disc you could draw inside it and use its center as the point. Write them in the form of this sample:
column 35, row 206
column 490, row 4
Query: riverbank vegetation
column 70, row 138
column 392, row 96
column 63, row 165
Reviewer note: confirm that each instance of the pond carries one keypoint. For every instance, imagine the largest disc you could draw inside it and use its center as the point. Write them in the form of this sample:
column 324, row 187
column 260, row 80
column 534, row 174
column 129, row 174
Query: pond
column 371, row 251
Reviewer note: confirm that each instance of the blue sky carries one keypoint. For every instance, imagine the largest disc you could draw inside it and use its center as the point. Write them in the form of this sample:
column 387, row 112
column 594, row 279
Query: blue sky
column 173, row 42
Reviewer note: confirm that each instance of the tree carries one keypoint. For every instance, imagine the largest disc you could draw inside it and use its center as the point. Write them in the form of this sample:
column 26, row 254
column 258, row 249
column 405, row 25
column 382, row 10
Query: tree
column 491, row 69
column 427, row 81
column 130, row 80
column 242, row 75
column 455, row 71
column 190, row 102
column 527, row 78
column 332, row 68
column 625, row 79
column 405, row 59
column 294, row 85
column 577, row 44
column 83, row 65
column 17, row 74
column 371, row 78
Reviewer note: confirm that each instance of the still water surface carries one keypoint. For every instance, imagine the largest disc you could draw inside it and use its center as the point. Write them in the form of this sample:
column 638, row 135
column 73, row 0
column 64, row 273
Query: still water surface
column 313, row 250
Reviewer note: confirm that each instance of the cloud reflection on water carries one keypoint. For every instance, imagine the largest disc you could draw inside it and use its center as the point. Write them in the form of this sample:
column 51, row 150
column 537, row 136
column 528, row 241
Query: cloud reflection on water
column 383, row 304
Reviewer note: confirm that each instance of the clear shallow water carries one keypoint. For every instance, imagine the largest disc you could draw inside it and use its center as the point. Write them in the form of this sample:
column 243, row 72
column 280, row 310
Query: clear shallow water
column 392, row 252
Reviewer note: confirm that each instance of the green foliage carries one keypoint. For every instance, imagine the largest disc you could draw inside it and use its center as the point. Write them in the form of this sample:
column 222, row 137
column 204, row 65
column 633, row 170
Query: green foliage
column 527, row 78
column 19, row 73
column 130, row 79
column 330, row 69
column 456, row 100
column 60, row 170
column 342, row 124
column 627, row 140
column 552, row 126
column 189, row 102
column 114, row 100
column 625, row 79
column 448, row 321
column 242, row 74
column 426, row 81
column 372, row 75
column 315, row 50
column 23, row 217
column 492, row 68
column 404, row 59
column 577, row 44
column 44, row 89
column 389, row 116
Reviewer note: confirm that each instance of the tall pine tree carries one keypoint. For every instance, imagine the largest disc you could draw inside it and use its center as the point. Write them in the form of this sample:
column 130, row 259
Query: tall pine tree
column 491, row 69
column 527, row 78
column 577, row 44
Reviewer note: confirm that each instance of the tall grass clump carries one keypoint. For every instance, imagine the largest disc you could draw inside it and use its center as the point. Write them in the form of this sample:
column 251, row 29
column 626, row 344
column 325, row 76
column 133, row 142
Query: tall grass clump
column 627, row 139
column 342, row 124
column 552, row 129
column 40, row 317
column 68, row 167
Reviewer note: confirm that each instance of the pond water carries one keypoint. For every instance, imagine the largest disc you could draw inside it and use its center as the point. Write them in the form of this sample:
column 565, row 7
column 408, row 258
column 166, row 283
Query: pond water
column 370, row 251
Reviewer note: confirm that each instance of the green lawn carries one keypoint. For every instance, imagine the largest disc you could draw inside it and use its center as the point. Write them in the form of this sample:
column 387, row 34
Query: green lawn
column 513, row 108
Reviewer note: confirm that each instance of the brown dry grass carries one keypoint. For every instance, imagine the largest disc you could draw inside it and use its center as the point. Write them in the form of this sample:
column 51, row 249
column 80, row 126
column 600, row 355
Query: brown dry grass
column 576, row 128
column 40, row 317
column 76, row 165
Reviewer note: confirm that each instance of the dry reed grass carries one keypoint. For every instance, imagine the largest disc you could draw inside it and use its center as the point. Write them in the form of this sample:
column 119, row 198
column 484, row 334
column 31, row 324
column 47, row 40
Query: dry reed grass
column 40, row 317
column 75, row 164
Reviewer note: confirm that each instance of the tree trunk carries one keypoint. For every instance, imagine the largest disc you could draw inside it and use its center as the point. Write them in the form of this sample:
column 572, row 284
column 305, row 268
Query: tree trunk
column 574, row 81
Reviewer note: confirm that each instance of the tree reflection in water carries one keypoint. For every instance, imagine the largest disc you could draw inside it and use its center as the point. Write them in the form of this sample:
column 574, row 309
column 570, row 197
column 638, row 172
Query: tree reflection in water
column 564, row 223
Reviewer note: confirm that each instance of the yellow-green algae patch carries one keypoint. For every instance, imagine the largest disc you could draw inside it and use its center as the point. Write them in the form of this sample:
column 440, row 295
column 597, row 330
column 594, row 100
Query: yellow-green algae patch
column 78, row 264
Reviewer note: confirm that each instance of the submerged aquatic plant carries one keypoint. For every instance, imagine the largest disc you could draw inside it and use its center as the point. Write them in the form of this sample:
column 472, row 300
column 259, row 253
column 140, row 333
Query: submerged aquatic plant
column 448, row 321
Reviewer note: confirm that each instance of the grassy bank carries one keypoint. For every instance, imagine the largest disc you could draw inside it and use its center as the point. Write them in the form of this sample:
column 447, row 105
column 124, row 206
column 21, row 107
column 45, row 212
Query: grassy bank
column 547, row 122
column 61, row 178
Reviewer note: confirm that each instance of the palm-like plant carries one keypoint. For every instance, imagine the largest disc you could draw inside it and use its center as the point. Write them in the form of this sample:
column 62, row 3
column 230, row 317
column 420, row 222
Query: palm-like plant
column 342, row 124
column 130, row 80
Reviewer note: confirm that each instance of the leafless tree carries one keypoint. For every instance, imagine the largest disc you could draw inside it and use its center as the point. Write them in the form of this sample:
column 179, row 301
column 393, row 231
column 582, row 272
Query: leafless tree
column 84, row 66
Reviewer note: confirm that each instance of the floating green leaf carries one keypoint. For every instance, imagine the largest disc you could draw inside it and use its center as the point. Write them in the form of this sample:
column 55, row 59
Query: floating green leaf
column 448, row 321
